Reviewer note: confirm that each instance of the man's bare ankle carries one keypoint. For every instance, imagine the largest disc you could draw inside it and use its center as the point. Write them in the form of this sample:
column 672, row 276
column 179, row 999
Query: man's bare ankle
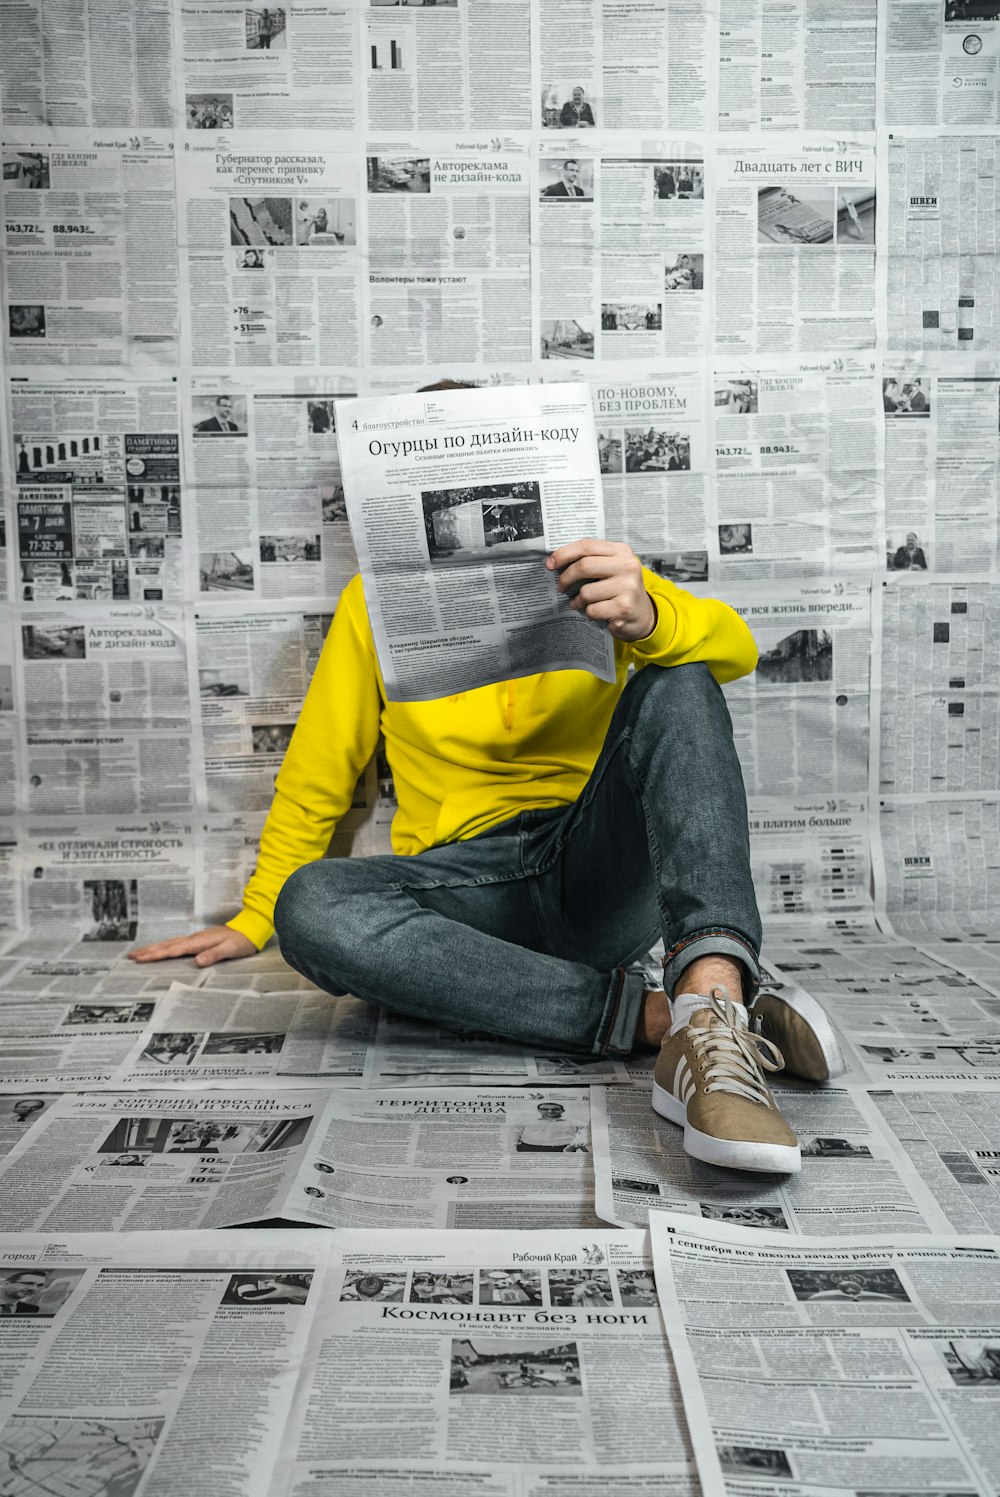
column 654, row 1018
column 708, row 972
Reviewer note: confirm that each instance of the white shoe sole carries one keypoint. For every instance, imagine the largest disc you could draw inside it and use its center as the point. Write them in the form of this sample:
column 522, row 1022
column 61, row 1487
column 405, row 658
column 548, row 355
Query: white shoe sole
column 733, row 1154
column 816, row 1017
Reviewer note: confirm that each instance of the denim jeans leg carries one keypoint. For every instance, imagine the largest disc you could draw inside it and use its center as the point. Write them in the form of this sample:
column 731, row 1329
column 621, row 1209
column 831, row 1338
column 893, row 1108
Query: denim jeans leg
column 660, row 828
column 449, row 935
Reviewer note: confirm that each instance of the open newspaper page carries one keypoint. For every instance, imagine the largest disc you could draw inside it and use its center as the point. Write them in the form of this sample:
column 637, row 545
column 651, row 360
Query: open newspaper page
column 936, row 870
column 794, row 246
column 262, row 456
column 938, row 254
column 445, row 66
column 65, row 1044
column 91, row 248
column 99, row 512
column 942, row 460
column 801, row 719
column 269, row 250
column 803, row 67
column 455, row 499
column 77, row 67
column 952, row 1136
column 219, row 1035
column 811, row 863
column 97, row 885
column 939, row 699
column 449, row 1157
column 937, row 64
column 854, row 1180
column 254, row 667
column 138, row 1359
column 620, row 67
column 513, row 1364
column 798, row 470
column 223, row 1038
column 835, row 1367
column 279, row 67
column 144, row 1161
column 620, row 254
column 448, row 239
column 107, row 708
column 654, row 446
column 409, row 1052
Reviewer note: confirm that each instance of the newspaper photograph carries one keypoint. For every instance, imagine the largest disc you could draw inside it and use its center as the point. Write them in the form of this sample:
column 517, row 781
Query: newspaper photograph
column 652, row 442
column 941, row 466
column 449, row 247
column 269, row 257
column 794, row 232
column 265, row 67
column 503, row 1359
column 272, row 523
column 801, row 719
column 99, row 515
column 798, row 470
column 111, row 1371
column 894, row 1375
column 854, row 1179
column 91, row 249
column 455, row 500
column 621, row 243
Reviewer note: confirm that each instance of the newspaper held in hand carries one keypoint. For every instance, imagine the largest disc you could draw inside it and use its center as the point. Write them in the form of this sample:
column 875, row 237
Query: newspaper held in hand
column 455, row 499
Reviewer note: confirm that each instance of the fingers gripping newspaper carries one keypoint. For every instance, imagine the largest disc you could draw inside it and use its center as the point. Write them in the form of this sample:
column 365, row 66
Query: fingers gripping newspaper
column 455, row 498
column 834, row 1366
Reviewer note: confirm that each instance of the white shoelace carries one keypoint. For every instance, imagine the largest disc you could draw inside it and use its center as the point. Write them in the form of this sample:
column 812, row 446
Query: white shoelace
column 734, row 1057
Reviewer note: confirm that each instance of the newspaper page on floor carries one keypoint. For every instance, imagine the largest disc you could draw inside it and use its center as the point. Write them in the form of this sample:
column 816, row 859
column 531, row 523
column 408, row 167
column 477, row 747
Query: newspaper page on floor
column 835, row 1366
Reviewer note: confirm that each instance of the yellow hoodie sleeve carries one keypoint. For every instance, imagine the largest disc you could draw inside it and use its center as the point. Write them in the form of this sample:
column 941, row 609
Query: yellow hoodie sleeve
column 334, row 739
column 689, row 628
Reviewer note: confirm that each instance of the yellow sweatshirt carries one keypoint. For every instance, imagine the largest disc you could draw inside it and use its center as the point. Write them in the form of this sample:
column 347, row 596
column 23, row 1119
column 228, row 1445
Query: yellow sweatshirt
column 463, row 763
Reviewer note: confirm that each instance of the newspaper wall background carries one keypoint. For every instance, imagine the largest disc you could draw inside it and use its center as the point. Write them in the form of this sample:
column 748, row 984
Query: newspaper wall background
column 758, row 244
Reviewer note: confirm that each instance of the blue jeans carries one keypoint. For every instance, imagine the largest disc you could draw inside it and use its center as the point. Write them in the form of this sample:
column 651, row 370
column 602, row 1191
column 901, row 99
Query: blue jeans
column 527, row 929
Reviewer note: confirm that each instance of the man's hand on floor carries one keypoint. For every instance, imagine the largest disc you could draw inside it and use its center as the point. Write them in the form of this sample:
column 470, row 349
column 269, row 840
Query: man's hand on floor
column 604, row 579
column 216, row 944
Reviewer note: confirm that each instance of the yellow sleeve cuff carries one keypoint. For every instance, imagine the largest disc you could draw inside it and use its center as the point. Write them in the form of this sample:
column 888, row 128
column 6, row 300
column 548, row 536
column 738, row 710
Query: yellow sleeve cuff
column 255, row 927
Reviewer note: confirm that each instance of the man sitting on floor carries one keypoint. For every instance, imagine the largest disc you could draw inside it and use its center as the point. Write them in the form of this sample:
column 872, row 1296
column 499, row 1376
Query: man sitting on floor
column 550, row 830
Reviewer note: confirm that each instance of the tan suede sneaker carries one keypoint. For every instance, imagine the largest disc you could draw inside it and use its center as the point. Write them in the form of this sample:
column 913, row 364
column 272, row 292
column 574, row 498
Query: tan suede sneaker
column 796, row 1023
column 709, row 1078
